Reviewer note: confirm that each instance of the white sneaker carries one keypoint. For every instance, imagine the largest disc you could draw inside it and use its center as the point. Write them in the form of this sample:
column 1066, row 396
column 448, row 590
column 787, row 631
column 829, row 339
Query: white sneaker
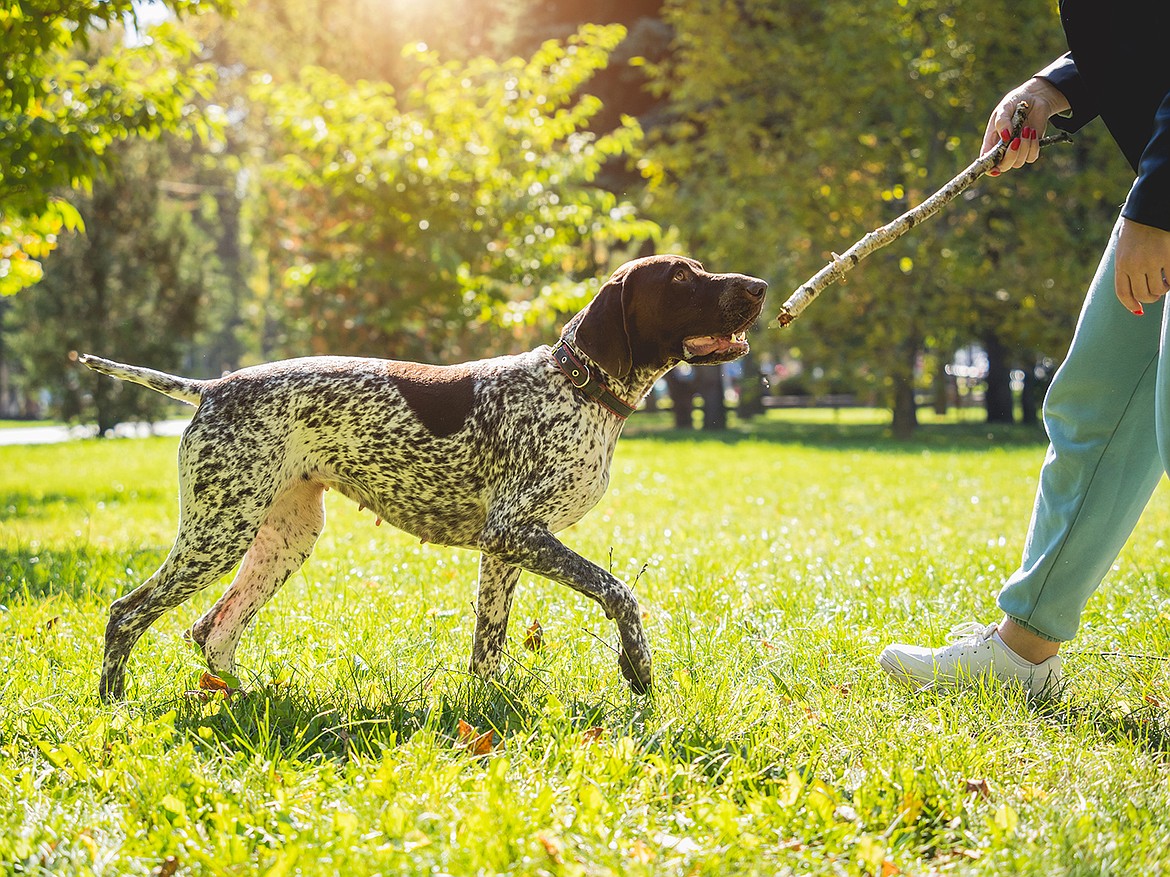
column 976, row 652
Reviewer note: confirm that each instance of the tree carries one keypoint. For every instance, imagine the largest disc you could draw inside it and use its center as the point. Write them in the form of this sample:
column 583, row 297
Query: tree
column 400, row 225
column 59, row 115
column 817, row 122
column 131, row 287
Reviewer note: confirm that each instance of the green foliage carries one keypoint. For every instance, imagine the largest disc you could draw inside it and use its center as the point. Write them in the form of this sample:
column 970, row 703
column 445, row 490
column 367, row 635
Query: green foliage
column 817, row 122
column 61, row 109
column 131, row 288
column 773, row 743
column 406, row 224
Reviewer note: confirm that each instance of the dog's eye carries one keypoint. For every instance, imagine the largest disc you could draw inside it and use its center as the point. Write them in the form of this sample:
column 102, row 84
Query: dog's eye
column 682, row 275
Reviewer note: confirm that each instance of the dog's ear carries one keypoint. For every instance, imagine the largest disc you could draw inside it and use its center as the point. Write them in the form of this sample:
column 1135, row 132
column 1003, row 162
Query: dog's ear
column 602, row 333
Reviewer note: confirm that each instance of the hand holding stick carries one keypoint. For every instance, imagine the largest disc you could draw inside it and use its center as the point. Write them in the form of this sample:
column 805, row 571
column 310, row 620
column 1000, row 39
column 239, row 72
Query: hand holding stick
column 875, row 240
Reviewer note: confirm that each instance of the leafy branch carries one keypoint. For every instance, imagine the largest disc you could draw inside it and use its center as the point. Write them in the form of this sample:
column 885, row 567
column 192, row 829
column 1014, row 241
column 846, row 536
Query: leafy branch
column 887, row 234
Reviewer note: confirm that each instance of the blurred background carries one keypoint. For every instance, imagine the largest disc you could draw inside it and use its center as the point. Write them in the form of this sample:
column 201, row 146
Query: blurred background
column 199, row 185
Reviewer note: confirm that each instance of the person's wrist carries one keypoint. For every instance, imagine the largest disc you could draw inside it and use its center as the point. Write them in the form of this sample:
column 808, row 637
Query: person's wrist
column 1053, row 98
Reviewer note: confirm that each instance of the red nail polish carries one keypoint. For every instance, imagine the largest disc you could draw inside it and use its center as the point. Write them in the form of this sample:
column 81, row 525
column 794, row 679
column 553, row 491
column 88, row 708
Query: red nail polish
column 1026, row 134
column 1139, row 312
column 1005, row 135
column 994, row 172
column 1015, row 144
column 1035, row 134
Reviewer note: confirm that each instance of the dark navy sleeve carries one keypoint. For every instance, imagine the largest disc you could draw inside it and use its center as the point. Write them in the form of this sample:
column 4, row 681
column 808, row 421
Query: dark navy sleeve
column 1149, row 199
column 1063, row 74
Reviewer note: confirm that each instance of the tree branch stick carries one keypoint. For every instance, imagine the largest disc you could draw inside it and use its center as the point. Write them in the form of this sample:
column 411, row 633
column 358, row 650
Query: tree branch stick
column 875, row 240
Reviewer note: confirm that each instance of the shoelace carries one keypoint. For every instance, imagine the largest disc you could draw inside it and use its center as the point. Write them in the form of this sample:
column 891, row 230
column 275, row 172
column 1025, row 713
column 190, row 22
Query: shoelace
column 971, row 630
column 968, row 630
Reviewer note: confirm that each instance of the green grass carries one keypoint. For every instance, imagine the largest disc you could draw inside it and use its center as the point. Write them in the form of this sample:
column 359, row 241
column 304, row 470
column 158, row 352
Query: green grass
column 25, row 424
column 773, row 563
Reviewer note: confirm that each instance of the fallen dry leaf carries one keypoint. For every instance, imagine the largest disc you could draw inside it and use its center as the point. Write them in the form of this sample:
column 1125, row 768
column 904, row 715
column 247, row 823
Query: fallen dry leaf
column 471, row 740
column 551, row 847
column 210, row 682
column 979, row 787
column 639, row 852
column 592, row 735
column 534, row 636
column 210, row 685
column 168, row 867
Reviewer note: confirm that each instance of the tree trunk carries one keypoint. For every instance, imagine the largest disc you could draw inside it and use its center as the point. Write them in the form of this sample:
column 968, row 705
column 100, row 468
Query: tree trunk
column 998, row 398
column 905, row 405
column 709, row 383
column 99, row 277
column 942, row 388
column 751, row 389
column 1031, row 398
column 227, row 350
column 905, row 408
column 681, row 389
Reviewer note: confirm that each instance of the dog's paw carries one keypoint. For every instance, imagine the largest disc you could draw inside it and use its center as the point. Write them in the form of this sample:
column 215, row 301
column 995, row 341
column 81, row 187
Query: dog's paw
column 638, row 677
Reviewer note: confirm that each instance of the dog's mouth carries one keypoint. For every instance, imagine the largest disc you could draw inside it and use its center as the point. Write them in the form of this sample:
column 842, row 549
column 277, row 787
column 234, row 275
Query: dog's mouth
column 703, row 349
column 701, row 346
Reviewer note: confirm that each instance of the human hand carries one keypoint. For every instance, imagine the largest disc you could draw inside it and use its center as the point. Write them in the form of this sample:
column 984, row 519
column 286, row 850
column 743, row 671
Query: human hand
column 1044, row 101
column 1142, row 265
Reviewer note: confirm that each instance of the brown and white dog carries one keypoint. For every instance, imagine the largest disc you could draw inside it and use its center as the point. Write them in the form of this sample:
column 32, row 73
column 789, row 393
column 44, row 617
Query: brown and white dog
column 495, row 455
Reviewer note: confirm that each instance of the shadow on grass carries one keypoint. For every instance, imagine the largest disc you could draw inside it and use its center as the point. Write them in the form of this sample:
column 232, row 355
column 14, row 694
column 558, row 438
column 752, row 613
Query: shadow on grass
column 364, row 719
column 1146, row 726
column 79, row 571
column 842, row 435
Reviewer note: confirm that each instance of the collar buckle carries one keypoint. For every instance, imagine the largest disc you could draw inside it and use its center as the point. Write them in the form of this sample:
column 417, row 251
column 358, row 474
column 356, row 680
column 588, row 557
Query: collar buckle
column 582, row 378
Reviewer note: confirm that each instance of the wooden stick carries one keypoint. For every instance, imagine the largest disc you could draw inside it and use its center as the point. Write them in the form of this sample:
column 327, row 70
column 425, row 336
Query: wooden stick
column 875, row 240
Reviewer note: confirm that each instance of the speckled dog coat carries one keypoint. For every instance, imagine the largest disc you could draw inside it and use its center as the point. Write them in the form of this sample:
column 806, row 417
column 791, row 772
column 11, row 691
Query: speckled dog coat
column 496, row 455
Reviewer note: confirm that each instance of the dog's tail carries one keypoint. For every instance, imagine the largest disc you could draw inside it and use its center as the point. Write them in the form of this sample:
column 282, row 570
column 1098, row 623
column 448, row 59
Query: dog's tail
column 186, row 390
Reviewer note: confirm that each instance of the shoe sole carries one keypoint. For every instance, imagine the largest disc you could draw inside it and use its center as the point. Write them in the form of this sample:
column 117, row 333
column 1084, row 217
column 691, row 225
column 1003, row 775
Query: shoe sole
column 894, row 668
column 1051, row 690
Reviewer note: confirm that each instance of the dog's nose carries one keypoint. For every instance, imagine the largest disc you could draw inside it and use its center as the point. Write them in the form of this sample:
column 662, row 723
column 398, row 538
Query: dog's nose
column 756, row 287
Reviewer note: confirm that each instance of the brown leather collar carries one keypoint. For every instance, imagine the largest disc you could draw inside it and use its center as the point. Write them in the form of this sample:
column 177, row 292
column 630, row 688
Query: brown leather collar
column 582, row 377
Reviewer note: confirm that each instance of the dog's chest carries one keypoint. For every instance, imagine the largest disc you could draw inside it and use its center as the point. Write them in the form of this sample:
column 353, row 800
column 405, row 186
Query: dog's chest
column 529, row 448
column 583, row 482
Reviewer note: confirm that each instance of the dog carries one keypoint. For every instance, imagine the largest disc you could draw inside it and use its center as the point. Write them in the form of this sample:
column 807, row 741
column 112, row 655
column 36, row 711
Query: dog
column 495, row 455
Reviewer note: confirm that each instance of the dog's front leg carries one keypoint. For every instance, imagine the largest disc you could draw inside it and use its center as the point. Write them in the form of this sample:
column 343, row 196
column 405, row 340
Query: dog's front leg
column 493, row 604
column 534, row 548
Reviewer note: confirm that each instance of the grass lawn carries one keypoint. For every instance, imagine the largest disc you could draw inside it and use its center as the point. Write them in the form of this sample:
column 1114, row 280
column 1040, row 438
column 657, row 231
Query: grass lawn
column 772, row 563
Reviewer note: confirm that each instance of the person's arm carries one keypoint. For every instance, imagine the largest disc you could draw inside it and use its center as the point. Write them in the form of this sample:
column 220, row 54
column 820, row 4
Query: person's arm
column 1143, row 248
column 1149, row 199
column 1064, row 75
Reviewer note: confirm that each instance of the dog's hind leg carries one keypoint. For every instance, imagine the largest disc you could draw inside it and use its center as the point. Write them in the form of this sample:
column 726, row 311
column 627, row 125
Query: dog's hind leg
column 493, row 605
column 218, row 520
column 184, row 572
column 285, row 540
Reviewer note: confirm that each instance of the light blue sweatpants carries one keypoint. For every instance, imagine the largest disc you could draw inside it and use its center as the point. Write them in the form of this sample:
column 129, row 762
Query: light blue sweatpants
column 1106, row 413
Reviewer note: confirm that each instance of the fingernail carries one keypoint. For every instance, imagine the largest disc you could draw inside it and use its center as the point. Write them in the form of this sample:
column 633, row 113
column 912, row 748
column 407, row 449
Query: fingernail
column 1026, row 134
column 994, row 172
column 1035, row 134
column 1005, row 135
column 1139, row 312
column 1015, row 144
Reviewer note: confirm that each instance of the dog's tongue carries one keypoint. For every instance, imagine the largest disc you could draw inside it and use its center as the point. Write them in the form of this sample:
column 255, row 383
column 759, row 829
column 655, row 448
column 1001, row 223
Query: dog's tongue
column 705, row 344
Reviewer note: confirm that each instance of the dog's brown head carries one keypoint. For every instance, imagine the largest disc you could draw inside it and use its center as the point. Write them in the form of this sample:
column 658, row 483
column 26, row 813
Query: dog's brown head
column 661, row 310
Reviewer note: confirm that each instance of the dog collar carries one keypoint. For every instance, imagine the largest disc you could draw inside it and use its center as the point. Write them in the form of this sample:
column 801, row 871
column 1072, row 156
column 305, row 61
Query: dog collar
column 582, row 377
